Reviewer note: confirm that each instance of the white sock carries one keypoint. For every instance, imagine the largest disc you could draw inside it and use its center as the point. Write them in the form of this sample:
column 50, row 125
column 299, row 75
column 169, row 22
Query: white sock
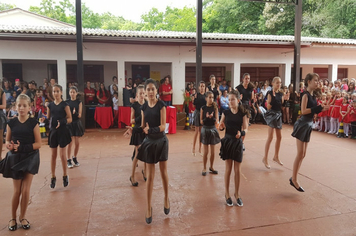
column 331, row 125
column 346, row 129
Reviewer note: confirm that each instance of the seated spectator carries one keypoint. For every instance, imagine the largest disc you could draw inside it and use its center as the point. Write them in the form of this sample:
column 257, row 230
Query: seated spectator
column 224, row 102
column 7, row 90
column 12, row 98
column 223, row 86
column 12, row 112
column 17, row 87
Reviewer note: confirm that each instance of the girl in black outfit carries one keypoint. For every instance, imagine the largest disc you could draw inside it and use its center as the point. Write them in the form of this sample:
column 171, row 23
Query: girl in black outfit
column 199, row 102
column 209, row 117
column 76, row 127
column 214, row 88
column 273, row 118
column 303, row 127
column 59, row 114
column 137, row 136
column 2, row 117
column 235, row 121
column 23, row 139
column 154, row 147
column 246, row 89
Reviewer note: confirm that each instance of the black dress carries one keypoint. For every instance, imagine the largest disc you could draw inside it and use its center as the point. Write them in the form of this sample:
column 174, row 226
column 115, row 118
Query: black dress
column 61, row 135
column 199, row 102
column 76, row 127
column 2, row 114
column 246, row 95
column 215, row 92
column 303, row 127
column 209, row 134
column 16, row 164
column 137, row 134
column 273, row 116
column 231, row 147
column 154, row 147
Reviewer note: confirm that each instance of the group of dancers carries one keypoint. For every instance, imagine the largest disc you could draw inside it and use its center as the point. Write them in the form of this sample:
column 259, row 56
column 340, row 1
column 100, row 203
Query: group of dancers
column 23, row 141
column 151, row 144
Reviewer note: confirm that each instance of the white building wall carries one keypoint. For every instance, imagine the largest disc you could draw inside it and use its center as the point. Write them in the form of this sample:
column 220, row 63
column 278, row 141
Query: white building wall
column 176, row 56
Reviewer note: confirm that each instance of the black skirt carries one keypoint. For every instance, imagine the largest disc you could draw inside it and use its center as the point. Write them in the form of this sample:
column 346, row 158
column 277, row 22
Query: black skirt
column 153, row 149
column 76, row 129
column 137, row 137
column 303, row 128
column 196, row 121
column 231, row 148
column 59, row 137
column 273, row 119
column 16, row 165
column 209, row 135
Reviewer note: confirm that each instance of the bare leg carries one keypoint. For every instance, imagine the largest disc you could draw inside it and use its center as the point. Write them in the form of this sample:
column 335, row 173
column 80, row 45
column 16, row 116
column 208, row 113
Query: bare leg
column 69, row 150
column 237, row 170
column 149, row 186
column 53, row 161
column 284, row 115
column 205, row 156
column 62, row 154
column 15, row 198
column 195, row 138
column 287, row 114
column 164, row 175
column 25, row 195
column 301, row 151
column 76, row 148
column 212, row 156
column 134, row 164
column 267, row 145
column 199, row 133
column 228, row 168
column 278, row 145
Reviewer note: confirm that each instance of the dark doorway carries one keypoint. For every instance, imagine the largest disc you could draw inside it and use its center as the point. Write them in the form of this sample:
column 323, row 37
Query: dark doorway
column 92, row 73
column 12, row 71
column 218, row 71
column 52, row 71
column 141, row 72
column 260, row 73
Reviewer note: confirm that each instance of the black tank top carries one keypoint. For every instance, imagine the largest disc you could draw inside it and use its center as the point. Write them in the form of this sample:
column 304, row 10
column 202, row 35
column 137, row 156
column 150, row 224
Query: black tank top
column 311, row 102
column 199, row 101
column 276, row 101
column 233, row 122
column 215, row 92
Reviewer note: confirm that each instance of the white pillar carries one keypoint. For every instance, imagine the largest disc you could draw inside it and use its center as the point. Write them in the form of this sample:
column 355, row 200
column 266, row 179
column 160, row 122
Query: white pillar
column 235, row 80
column 332, row 72
column 121, row 79
column 287, row 73
column 62, row 76
column 1, row 75
column 178, row 81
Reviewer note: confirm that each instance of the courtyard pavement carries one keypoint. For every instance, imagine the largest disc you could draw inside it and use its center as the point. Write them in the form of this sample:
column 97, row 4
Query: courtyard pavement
column 101, row 201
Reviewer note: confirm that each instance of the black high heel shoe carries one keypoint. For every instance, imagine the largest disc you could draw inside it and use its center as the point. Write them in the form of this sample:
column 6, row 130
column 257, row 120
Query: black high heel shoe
column 26, row 226
column 143, row 174
column 133, row 184
column 14, row 227
column 300, row 189
column 167, row 210
column 149, row 219
column 215, row 172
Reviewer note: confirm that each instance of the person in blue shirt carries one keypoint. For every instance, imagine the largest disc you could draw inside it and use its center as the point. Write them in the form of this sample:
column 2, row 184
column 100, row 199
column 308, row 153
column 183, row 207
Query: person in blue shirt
column 224, row 102
column 223, row 86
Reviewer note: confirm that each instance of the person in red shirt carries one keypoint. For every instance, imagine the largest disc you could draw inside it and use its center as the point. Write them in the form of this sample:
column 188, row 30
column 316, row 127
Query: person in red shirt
column 103, row 95
column 89, row 94
column 166, row 91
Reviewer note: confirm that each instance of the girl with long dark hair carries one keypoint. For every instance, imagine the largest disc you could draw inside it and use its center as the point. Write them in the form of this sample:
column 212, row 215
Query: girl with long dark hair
column 199, row 102
column 103, row 95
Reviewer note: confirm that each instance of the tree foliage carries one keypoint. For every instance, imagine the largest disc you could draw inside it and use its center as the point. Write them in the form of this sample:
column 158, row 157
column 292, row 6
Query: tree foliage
column 321, row 18
column 5, row 6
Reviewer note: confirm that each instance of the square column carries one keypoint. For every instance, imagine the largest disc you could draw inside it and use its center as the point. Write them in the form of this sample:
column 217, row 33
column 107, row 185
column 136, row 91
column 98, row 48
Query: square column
column 1, row 72
column 287, row 74
column 332, row 72
column 178, row 82
column 235, row 80
column 62, row 76
column 121, row 80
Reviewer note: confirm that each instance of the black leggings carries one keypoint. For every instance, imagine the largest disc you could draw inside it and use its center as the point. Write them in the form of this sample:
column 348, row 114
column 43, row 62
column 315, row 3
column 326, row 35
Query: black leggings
column 353, row 128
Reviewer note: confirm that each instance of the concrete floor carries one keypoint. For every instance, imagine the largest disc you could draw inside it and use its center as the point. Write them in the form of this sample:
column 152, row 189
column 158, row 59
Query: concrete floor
column 101, row 201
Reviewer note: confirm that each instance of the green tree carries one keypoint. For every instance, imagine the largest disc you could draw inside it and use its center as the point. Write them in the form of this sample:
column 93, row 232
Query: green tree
column 153, row 20
column 5, row 6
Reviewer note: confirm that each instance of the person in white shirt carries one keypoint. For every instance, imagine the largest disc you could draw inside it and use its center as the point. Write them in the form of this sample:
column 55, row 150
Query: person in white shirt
column 115, row 82
column 115, row 104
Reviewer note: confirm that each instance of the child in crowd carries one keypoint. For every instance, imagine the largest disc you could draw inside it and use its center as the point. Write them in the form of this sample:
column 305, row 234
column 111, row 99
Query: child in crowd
column 23, row 159
column 17, row 87
column 352, row 118
column 343, row 117
column 59, row 114
column 335, row 112
column 286, row 105
column 12, row 112
column 323, row 115
column 115, row 105
column 12, row 98
column 209, row 117
column 191, row 107
column 39, row 105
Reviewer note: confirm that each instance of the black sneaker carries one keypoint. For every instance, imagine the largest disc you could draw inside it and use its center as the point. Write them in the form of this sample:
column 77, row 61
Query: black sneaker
column 65, row 181
column 229, row 202
column 69, row 163
column 76, row 163
column 53, row 182
column 239, row 202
